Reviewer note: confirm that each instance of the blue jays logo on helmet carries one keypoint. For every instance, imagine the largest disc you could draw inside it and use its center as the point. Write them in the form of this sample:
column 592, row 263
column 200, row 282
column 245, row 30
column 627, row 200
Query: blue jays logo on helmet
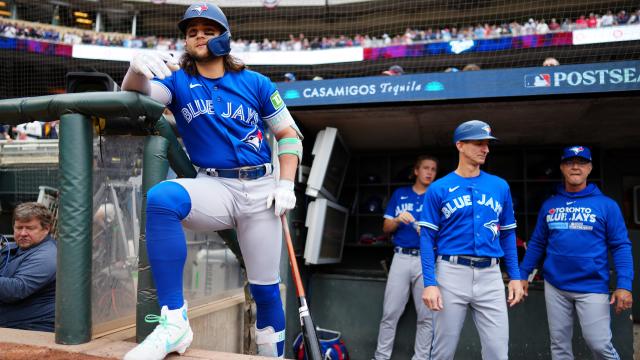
column 200, row 8
column 473, row 130
column 493, row 226
column 254, row 139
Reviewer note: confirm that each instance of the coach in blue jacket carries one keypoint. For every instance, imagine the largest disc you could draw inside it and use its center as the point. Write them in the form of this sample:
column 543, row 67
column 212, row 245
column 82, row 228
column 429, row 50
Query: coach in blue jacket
column 28, row 271
column 576, row 229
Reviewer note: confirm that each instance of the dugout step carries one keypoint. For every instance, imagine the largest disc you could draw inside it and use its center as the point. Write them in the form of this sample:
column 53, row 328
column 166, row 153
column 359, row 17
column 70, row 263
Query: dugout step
column 104, row 347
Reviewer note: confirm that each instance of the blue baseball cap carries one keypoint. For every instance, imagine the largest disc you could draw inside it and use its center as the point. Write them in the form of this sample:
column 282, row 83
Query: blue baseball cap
column 576, row 151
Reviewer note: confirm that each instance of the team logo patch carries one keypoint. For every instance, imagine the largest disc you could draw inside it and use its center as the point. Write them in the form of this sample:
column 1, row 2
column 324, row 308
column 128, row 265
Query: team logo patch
column 552, row 211
column 577, row 149
column 276, row 100
column 537, row 80
column 487, row 129
column 494, row 227
column 200, row 8
column 254, row 139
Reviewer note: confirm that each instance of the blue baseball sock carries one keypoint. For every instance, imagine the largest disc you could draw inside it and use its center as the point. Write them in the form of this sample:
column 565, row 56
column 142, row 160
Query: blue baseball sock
column 167, row 204
column 269, row 311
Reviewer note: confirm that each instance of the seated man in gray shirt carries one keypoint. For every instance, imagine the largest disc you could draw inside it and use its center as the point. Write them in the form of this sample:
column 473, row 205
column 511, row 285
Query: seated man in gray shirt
column 28, row 271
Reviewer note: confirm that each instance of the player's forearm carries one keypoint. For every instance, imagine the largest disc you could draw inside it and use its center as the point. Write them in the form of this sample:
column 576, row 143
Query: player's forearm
column 508, row 243
column 288, row 162
column 389, row 226
column 288, row 166
column 136, row 82
column 427, row 256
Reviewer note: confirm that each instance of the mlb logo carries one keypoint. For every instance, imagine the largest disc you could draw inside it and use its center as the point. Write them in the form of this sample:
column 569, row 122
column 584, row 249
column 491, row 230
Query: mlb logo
column 537, row 80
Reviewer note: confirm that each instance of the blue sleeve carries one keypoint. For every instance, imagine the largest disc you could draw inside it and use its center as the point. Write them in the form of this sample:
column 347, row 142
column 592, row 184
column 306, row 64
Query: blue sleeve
column 536, row 246
column 507, row 217
column 428, row 256
column 508, row 236
column 271, row 102
column 620, row 246
column 508, row 243
column 390, row 212
column 430, row 216
column 32, row 275
column 429, row 226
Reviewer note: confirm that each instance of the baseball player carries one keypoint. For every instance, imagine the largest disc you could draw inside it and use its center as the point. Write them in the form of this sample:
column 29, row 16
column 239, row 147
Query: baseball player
column 576, row 229
column 405, row 275
column 222, row 112
column 468, row 216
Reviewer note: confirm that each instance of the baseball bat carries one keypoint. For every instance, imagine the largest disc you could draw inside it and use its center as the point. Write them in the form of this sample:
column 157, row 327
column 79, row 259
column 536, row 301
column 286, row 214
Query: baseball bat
column 309, row 336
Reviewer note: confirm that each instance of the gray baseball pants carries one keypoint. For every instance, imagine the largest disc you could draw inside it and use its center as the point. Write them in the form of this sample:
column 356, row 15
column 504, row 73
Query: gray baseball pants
column 405, row 279
column 482, row 290
column 595, row 322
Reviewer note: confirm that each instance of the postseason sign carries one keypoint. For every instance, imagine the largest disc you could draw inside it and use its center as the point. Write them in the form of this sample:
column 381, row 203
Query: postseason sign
column 569, row 79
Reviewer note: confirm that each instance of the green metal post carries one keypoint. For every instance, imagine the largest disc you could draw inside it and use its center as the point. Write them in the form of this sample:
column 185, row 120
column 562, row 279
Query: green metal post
column 155, row 167
column 73, row 285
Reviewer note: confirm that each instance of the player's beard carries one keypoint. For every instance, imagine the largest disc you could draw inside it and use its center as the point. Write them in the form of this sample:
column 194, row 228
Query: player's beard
column 199, row 57
column 202, row 59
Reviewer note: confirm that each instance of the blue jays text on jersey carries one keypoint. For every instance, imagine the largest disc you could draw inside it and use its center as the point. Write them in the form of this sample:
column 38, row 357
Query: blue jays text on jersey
column 405, row 199
column 222, row 121
column 468, row 216
column 575, row 231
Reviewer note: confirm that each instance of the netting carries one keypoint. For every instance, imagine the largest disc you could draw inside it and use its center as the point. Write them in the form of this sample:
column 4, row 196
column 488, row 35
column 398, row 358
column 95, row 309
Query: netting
column 40, row 42
column 29, row 172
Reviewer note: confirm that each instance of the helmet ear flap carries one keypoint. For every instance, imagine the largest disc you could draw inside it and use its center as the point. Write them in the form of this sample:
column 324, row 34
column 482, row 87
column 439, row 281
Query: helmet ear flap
column 220, row 45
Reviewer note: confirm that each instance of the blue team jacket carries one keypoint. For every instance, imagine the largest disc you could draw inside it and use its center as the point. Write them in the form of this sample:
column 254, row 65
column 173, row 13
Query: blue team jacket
column 27, row 286
column 575, row 231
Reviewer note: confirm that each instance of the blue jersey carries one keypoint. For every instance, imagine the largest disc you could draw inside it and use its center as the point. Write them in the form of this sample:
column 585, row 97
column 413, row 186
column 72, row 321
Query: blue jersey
column 575, row 231
column 405, row 199
column 468, row 216
column 221, row 121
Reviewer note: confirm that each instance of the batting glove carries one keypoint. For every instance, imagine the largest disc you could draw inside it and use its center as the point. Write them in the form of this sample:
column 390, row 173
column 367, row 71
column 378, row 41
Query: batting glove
column 283, row 197
column 154, row 64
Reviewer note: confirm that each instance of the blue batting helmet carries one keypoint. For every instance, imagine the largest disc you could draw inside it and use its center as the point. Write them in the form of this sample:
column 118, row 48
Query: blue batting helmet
column 219, row 45
column 473, row 130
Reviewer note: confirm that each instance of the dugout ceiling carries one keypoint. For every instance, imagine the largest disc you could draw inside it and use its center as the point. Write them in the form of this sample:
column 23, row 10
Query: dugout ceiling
column 609, row 121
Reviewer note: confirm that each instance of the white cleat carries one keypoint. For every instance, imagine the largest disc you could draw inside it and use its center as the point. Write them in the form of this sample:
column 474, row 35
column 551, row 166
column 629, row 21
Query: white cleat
column 173, row 334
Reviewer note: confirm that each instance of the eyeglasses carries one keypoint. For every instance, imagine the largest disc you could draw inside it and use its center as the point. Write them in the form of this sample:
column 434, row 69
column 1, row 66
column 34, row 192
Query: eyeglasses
column 576, row 161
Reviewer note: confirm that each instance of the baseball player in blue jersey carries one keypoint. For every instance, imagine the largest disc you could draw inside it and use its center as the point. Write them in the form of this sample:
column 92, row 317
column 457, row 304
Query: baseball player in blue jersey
column 576, row 229
column 222, row 112
column 405, row 275
column 468, row 216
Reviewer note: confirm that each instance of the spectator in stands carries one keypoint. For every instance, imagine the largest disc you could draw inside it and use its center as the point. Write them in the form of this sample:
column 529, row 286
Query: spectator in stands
column 542, row 27
column 394, row 70
column 622, row 18
column 30, row 131
column 607, row 19
column 529, row 27
column 550, row 61
column 289, row 77
column 634, row 18
column 581, row 22
column 592, row 21
column 451, row 69
column 4, row 133
column 28, row 271
column 471, row 67
column 553, row 25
